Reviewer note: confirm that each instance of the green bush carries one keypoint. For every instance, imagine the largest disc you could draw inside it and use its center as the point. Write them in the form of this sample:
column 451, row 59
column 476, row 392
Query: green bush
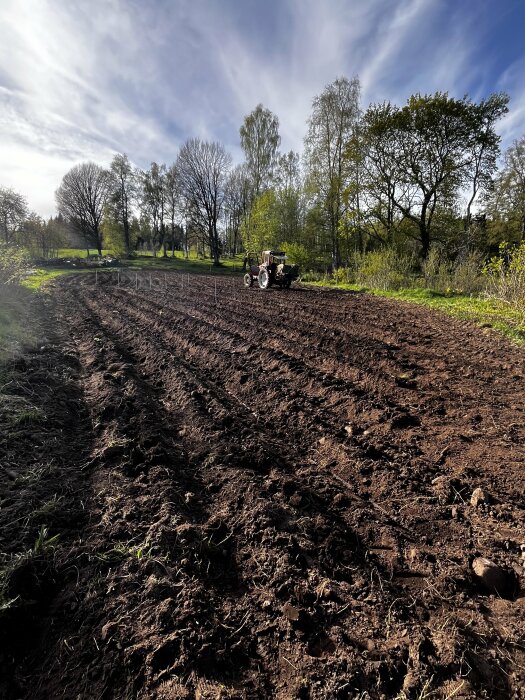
column 13, row 264
column 343, row 275
column 114, row 238
column 299, row 254
column 467, row 274
column 505, row 274
column 463, row 276
column 437, row 271
column 384, row 269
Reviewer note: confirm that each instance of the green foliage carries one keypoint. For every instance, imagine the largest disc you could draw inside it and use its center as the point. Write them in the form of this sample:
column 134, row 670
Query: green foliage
column 332, row 124
column 13, row 264
column 505, row 274
column 298, row 254
column 260, row 140
column 421, row 156
column 506, row 202
column 261, row 229
column 43, row 239
column 113, row 237
column 343, row 276
column 462, row 276
column 436, row 270
column 467, row 277
column 13, row 212
column 384, row 269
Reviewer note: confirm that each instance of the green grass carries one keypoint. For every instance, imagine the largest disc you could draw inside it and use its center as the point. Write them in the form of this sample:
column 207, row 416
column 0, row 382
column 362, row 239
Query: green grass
column 40, row 276
column 79, row 252
column 487, row 313
column 15, row 329
column 193, row 265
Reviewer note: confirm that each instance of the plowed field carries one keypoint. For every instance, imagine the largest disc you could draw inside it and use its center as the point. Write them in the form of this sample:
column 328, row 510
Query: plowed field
column 264, row 494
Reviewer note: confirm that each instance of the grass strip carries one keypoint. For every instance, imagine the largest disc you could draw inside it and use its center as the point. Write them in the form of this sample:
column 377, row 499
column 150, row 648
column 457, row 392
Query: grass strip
column 487, row 313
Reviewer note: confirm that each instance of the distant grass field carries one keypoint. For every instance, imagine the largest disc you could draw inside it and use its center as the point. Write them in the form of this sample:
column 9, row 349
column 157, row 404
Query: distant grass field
column 228, row 266
column 79, row 252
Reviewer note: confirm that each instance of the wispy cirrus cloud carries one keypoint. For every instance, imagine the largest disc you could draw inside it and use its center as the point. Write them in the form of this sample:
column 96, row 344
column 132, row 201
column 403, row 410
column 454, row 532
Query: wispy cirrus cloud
column 88, row 78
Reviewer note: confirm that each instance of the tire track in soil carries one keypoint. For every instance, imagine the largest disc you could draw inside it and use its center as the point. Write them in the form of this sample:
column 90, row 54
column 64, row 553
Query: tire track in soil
column 278, row 561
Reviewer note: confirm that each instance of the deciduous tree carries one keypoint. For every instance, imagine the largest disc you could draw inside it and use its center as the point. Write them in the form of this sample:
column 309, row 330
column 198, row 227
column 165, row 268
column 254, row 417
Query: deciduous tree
column 424, row 154
column 289, row 190
column 506, row 203
column 43, row 238
column 173, row 193
column 334, row 119
column 81, row 199
column 261, row 230
column 154, row 203
column 203, row 168
column 13, row 212
column 123, row 194
column 260, row 140
column 236, row 205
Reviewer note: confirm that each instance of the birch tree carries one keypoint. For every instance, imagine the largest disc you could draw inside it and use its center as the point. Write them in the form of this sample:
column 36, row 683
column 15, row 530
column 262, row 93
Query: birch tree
column 260, row 140
column 333, row 122
column 123, row 193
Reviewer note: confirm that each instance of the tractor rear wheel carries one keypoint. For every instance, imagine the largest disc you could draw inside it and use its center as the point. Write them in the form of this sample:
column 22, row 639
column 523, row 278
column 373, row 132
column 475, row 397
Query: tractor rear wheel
column 248, row 280
column 264, row 279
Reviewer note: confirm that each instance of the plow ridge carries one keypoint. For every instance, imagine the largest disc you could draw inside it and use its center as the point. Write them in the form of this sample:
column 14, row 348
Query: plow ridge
column 277, row 495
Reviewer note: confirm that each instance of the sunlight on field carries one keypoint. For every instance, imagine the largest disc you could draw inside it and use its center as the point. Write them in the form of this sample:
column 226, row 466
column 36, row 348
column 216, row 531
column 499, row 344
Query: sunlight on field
column 487, row 313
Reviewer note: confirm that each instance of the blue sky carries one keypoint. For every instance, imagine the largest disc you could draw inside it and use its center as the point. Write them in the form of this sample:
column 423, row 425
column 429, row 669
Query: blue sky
column 83, row 79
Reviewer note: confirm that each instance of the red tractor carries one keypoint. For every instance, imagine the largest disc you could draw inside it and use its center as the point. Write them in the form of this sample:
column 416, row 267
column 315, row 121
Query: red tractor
column 272, row 270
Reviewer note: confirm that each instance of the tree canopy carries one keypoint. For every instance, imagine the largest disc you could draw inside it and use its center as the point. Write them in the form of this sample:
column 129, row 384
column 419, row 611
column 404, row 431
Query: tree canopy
column 81, row 199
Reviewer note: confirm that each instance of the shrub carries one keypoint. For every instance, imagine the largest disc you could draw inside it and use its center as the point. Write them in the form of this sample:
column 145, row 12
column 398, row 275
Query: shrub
column 13, row 264
column 299, row 254
column 436, row 269
column 467, row 274
column 463, row 276
column 343, row 275
column 505, row 274
column 384, row 269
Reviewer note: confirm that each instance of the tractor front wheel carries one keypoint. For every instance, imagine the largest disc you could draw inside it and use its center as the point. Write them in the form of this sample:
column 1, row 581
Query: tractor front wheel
column 248, row 280
column 264, row 279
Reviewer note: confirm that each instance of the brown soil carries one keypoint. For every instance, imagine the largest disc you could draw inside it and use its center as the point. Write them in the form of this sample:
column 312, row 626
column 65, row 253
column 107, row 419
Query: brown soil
column 263, row 496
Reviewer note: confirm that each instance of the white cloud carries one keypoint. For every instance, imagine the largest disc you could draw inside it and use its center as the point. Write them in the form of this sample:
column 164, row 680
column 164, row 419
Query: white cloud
column 512, row 126
column 83, row 79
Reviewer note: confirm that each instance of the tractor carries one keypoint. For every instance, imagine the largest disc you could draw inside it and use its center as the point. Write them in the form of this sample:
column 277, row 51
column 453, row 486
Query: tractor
column 271, row 270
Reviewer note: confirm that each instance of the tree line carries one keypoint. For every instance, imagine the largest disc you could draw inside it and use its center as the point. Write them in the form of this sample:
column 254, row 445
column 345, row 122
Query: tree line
column 406, row 177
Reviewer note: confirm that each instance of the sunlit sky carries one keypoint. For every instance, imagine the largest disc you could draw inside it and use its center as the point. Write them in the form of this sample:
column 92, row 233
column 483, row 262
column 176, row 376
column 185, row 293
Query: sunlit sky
column 84, row 79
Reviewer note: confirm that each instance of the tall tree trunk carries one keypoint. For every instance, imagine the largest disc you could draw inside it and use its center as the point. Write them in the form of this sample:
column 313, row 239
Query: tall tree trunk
column 127, row 237
column 425, row 239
